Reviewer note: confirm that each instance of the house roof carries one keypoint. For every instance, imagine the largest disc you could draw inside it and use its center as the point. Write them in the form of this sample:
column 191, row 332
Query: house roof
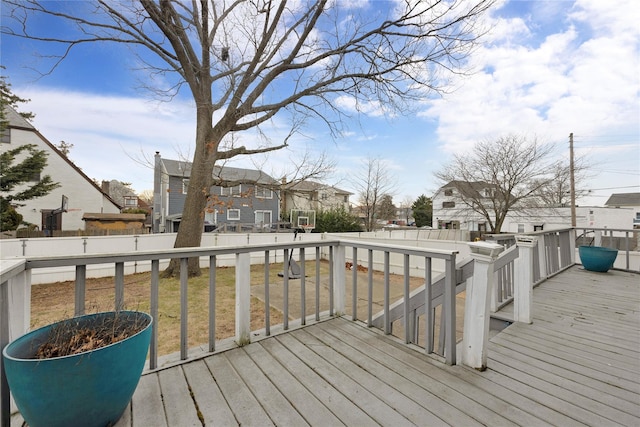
column 623, row 199
column 224, row 174
column 113, row 217
column 468, row 188
column 311, row 186
column 17, row 121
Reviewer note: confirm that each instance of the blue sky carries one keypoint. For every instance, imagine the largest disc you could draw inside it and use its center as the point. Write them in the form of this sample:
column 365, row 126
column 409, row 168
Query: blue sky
column 546, row 69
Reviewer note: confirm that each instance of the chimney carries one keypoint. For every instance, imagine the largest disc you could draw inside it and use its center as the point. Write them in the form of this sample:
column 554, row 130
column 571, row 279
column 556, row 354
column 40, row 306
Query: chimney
column 106, row 187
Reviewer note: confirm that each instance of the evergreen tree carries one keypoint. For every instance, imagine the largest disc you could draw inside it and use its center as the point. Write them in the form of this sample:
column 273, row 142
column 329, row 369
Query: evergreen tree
column 422, row 211
column 336, row 221
column 386, row 209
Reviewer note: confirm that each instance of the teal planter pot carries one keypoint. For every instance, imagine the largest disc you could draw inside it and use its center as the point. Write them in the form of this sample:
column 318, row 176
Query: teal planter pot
column 597, row 258
column 86, row 389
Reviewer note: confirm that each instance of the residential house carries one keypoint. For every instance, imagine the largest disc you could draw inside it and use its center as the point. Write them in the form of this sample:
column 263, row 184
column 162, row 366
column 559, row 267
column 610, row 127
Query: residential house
column 627, row 201
column 240, row 197
column 121, row 193
column 449, row 211
column 81, row 193
column 310, row 195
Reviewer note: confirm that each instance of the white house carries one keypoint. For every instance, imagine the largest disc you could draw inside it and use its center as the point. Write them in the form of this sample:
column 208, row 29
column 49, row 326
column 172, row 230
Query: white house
column 450, row 212
column 629, row 201
column 83, row 195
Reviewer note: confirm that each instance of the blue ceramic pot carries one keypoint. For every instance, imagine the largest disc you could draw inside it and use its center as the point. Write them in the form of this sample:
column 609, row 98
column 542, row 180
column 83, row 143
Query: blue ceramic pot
column 597, row 258
column 86, row 389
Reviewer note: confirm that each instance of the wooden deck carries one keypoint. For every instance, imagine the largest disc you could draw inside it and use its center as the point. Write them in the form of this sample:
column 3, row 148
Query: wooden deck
column 577, row 364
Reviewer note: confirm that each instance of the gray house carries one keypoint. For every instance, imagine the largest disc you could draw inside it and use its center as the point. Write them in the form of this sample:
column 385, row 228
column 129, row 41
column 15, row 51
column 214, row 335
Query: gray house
column 241, row 198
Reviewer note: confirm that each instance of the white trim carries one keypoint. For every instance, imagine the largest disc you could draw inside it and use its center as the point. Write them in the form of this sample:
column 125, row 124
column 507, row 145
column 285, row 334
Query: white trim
column 229, row 216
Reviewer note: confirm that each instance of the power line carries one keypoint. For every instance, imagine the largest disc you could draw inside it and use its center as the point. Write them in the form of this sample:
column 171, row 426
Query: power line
column 614, row 188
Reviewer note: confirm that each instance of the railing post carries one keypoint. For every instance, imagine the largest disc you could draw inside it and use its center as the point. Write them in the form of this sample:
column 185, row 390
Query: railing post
column 478, row 303
column 339, row 279
column 597, row 239
column 243, row 298
column 523, row 286
column 5, row 405
column 15, row 318
column 19, row 292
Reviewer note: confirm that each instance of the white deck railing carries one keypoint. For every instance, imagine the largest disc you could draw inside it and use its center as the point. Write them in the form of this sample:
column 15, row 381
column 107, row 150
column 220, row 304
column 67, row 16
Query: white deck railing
column 491, row 280
column 15, row 287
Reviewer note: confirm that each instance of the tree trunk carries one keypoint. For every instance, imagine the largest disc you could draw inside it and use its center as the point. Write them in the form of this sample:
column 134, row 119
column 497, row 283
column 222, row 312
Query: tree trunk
column 198, row 191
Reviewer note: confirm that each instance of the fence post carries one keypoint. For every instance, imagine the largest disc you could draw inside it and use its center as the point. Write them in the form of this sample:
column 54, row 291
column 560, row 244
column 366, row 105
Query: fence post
column 243, row 298
column 478, row 300
column 339, row 279
column 523, row 286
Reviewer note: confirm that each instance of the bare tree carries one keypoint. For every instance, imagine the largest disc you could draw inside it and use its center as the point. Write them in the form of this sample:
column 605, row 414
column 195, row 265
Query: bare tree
column 407, row 212
column 146, row 196
column 372, row 184
column 246, row 62
column 500, row 176
column 557, row 192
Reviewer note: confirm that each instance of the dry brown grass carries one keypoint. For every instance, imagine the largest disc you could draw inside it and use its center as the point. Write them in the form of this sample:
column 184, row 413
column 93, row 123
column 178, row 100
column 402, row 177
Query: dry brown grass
column 55, row 301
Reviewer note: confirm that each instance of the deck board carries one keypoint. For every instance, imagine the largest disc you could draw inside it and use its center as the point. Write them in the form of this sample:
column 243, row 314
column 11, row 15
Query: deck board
column 577, row 364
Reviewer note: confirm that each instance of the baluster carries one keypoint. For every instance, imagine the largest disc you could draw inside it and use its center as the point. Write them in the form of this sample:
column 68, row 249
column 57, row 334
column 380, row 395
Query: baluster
column 80, row 289
column 153, row 307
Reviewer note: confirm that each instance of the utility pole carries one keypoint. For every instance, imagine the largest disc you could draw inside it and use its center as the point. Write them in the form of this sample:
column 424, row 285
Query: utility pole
column 573, row 182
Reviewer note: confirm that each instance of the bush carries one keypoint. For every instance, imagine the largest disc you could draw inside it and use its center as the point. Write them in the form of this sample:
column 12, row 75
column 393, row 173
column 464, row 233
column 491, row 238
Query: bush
column 336, row 221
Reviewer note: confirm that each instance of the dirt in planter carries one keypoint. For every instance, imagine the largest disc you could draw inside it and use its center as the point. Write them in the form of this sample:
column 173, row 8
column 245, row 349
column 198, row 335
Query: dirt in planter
column 72, row 337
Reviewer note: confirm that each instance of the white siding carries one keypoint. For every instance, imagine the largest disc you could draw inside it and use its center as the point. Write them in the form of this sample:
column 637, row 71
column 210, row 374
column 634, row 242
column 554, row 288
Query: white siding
column 83, row 195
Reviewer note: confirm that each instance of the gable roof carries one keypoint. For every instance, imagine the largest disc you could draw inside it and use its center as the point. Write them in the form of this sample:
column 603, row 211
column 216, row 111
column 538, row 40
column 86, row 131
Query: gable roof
column 16, row 121
column 623, row 199
column 311, row 186
column 470, row 189
column 220, row 174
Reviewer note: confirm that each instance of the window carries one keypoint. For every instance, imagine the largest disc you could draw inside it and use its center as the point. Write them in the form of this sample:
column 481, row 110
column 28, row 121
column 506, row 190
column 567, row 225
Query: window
column 264, row 193
column 324, row 196
column 263, row 217
column 520, row 228
column 446, row 205
column 35, row 177
column 5, row 138
column 130, row 201
column 231, row 191
column 233, row 214
column 346, row 199
column 448, row 192
column 185, row 186
column 210, row 217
